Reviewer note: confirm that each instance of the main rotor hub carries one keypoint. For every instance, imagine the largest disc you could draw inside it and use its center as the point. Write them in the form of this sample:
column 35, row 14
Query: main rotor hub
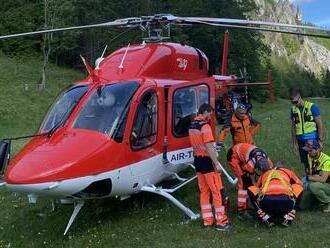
column 156, row 28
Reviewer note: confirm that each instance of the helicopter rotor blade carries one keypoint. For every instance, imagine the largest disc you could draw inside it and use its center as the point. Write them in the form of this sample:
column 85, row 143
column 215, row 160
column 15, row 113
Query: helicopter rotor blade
column 320, row 35
column 243, row 22
column 126, row 22
column 145, row 21
column 259, row 25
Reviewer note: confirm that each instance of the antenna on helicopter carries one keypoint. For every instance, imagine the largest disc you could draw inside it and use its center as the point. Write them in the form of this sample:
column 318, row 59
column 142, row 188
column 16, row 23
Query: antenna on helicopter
column 122, row 61
column 100, row 59
column 90, row 70
column 88, row 67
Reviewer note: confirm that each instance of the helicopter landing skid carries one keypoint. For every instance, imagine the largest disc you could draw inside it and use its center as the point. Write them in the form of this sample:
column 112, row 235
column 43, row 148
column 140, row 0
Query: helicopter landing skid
column 77, row 207
column 2, row 182
column 164, row 192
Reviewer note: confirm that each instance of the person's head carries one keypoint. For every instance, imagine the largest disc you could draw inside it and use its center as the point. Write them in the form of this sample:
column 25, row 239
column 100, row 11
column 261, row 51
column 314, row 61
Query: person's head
column 260, row 159
column 313, row 148
column 240, row 111
column 296, row 97
column 205, row 110
column 107, row 99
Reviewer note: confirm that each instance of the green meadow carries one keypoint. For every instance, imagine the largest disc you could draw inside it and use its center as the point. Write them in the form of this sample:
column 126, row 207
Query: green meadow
column 144, row 220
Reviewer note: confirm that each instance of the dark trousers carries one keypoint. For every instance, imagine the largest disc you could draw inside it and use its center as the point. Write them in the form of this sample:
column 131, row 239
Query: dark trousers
column 277, row 205
column 273, row 205
column 303, row 154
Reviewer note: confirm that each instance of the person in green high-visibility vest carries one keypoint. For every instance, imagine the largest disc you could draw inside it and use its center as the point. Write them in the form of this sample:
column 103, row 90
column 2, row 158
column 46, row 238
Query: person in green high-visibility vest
column 306, row 125
column 317, row 183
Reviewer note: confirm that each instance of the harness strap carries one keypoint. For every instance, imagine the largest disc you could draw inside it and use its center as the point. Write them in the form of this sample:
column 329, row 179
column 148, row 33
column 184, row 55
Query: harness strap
column 275, row 175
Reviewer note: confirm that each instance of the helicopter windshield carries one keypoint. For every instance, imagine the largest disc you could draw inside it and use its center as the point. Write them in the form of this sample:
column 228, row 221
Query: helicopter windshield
column 107, row 108
column 62, row 108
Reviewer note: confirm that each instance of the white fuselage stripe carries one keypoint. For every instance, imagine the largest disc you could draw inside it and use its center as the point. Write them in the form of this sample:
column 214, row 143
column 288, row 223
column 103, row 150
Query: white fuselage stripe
column 125, row 181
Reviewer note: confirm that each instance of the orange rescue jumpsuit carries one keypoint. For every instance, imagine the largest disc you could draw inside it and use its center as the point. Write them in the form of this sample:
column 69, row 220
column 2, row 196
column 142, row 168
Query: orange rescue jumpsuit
column 243, row 166
column 209, row 180
column 275, row 193
column 241, row 130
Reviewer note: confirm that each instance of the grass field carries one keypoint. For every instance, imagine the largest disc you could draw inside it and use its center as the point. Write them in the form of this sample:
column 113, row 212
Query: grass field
column 143, row 220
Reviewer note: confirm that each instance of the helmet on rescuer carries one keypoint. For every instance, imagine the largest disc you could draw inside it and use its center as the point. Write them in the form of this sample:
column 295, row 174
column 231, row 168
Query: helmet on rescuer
column 260, row 159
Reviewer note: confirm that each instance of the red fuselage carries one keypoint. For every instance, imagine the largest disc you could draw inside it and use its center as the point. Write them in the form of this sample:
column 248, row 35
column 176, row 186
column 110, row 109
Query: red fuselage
column 75, row 152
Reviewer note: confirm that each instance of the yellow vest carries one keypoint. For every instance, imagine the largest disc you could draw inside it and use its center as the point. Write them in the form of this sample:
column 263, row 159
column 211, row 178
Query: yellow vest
column 293, row 190
column 304, row 121
column 319, row 164
column 275, row 175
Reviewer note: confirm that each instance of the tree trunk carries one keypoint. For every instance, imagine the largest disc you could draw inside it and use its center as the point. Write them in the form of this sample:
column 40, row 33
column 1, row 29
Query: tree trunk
column 46, row 48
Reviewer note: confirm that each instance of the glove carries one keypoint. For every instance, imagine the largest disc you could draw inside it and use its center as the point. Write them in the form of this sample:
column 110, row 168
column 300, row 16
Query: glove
column 304, row 179
column 219, row 146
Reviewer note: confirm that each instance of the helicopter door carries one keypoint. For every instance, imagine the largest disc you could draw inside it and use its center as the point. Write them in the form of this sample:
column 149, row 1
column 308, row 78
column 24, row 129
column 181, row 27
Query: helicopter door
column 144, row 130
column 144, row 141
column 186, row 100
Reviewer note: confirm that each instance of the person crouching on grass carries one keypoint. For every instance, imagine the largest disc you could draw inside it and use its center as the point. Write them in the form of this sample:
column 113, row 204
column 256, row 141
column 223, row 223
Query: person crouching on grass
column 243, row 159
column 208, row 170
column 318, row 180
column 276, row 194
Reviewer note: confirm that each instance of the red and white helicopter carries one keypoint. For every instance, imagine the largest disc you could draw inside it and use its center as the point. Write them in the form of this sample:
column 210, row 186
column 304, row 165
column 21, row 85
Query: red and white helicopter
column 124, row 128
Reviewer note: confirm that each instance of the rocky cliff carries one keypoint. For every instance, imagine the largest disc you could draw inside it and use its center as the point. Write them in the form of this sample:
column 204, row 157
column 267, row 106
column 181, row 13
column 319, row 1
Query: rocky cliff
column 306, row 52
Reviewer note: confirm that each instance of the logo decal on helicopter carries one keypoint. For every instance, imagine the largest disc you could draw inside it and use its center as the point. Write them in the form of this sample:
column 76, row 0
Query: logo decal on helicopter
column 183, row 63
column 180, row 156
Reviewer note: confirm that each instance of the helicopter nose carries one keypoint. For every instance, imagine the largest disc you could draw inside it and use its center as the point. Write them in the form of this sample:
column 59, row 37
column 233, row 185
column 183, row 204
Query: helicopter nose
column 31, row 168
column 46, row 160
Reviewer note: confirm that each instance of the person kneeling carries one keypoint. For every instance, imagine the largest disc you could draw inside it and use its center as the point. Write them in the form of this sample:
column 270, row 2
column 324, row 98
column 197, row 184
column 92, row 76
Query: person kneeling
column 275, row 196
column 317, row 183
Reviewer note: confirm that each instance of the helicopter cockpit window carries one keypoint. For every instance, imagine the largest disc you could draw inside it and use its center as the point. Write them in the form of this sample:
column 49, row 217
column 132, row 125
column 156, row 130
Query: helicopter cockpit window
column 106, row 109
column 62, row 108
column 144, row 129
column 186, row 102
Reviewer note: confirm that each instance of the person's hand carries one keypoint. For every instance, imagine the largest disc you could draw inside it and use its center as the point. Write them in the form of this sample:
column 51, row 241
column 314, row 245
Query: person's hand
column 304, row 179
column 219, row 146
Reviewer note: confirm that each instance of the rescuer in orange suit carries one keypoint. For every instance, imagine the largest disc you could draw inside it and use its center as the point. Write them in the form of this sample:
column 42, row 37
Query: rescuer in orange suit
column 243, row 158
column 241, row 126
column 208, row 170
column 276, row 194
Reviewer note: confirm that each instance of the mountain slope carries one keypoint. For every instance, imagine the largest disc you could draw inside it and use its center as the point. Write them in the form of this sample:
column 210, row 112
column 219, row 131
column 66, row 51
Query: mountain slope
column 309, row 53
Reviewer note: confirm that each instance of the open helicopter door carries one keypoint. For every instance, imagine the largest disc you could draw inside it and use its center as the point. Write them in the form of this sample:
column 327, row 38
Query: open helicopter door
column 4, row 154
column 184, row 102
column 170, row 131
column 144, row 135
column 181, row 103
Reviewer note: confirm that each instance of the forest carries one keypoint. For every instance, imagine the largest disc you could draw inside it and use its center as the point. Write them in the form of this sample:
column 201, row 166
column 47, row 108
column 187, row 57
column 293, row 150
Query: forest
column 247, row 49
